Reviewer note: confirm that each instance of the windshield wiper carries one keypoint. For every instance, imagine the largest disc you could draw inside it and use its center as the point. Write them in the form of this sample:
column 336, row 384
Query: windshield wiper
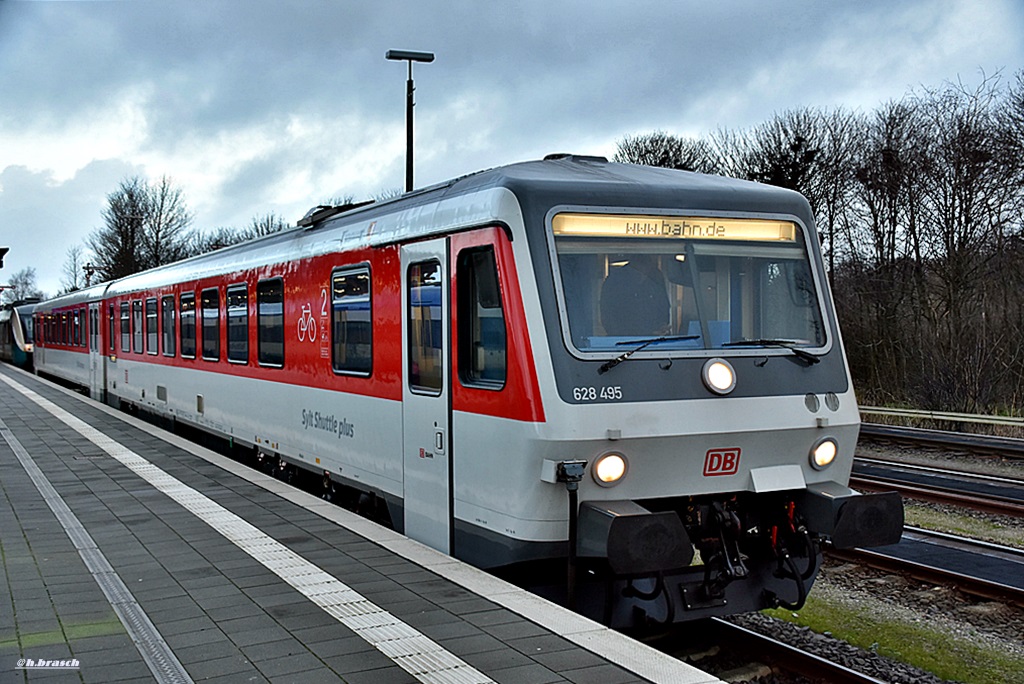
column 607, row 366
column 802, row 354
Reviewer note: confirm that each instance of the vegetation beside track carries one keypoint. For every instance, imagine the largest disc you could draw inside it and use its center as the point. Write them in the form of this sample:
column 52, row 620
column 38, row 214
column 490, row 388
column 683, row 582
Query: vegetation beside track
column 878, row 622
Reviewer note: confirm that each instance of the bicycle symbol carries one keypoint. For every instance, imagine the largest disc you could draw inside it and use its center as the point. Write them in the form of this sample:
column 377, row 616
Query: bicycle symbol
column 307, row 324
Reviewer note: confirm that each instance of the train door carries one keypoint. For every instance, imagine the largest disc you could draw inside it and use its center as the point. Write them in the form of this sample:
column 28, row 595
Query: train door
column 97, row 367
column 426, row 407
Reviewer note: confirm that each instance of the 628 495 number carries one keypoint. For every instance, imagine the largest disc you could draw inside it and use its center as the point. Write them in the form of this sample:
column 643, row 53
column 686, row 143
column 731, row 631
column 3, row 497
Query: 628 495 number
column 613, row 393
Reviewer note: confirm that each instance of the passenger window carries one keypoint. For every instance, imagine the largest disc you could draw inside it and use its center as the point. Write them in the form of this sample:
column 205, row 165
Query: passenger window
column 188, row 325
column 238, row 323
column 481, row 320
column 110, row 327
column 270, row 322
column 211, row 324
column 152, row 333
column 352, row 321
column 167, row 313
column 126, row 328
column 425, row 327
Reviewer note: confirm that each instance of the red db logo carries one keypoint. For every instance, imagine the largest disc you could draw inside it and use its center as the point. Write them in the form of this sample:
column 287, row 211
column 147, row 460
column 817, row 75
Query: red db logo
column 722, row 462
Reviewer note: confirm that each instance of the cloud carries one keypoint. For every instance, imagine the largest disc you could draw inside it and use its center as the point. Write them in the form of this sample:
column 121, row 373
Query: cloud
column 41, row 217
column 257, row 106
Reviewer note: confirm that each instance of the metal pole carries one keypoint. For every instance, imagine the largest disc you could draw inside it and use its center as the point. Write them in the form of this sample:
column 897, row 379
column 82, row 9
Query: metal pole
column 410, row 57
column 409, row 104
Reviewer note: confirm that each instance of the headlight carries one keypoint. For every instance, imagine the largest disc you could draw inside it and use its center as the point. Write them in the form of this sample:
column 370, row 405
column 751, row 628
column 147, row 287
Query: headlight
column 719, row 376
column 823, row 453
column 609, row 469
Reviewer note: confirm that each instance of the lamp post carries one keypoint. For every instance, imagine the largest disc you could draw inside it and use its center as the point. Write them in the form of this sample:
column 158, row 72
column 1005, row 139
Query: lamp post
column 410, row 57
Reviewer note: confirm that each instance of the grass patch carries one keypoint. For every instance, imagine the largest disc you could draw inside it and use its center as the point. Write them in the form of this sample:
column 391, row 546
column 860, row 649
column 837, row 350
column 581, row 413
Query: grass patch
column 963, row 525
column 872, row 625
column 90, row 629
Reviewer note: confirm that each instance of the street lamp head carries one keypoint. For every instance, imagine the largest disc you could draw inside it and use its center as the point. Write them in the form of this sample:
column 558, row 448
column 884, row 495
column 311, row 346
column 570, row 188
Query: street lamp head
column 411, row 55
column 3, row 251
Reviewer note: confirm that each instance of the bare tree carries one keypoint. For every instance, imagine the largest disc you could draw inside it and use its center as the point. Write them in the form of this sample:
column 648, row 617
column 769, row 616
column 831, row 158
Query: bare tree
column 72, row 273
column 668, row 151
column 836, row 181
column 266, row 225
column 144, row 226
column 22, row 285
column 785, row 152
column 164, row 237
column 389, row 193
column 201, row 243
column 118, row 244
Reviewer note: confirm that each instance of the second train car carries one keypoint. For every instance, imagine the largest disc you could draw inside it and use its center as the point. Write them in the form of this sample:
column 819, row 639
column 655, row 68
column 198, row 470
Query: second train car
column 16, row 323
column 621, row 384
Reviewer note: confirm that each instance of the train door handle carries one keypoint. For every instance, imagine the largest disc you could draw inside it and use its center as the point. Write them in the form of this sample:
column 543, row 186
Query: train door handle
column 439, row 441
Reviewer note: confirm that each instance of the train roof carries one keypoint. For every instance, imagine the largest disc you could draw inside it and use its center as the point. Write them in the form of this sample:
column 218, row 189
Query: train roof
column 569, row 180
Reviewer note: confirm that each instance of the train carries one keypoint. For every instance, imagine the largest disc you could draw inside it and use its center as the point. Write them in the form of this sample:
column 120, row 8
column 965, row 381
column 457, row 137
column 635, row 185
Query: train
column 16, row 323
column 622, row 386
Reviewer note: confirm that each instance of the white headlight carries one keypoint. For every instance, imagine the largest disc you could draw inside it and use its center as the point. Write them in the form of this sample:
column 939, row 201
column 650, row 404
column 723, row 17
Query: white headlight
column 823, row 453
column 609, row 469
column 719, row 376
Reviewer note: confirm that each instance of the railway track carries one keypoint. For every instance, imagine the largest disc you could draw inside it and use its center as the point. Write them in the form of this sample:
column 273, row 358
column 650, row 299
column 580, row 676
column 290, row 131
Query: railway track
column 731, row 650
column 1007, row 447
column 986, row 493
column 989, row 571
column 779, row 656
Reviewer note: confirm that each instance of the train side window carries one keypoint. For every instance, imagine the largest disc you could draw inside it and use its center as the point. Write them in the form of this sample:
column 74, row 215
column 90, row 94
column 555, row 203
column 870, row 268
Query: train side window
column 270, row 322
column 137, row 326
column 76, row 328
column 481, row 320
column 187, row 316
column 167, row 313
column 126, row 328
column 152, row 333
column 425, row 327
column 110, row 326
column 94, row 330
column 351, row 321
column 238, row 323
column 210, row 301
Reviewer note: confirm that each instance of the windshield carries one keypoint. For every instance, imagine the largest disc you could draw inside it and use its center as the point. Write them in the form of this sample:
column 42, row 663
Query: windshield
column 699, row 283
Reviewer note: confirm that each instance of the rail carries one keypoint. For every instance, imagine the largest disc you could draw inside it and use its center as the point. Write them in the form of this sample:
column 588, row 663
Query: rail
column 931, row 573
column 1014, row 421
column 1010, row 447
column 786, row 657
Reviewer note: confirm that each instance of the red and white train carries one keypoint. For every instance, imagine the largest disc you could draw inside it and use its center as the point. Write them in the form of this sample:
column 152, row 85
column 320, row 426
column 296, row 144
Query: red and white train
column 625, row 382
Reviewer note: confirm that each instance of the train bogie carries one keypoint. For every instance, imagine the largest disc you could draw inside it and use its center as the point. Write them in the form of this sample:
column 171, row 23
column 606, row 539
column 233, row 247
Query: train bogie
column 631, row 372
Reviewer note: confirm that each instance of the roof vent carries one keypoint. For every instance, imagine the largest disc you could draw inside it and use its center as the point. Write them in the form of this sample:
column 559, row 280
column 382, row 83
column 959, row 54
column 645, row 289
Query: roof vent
column 576, row 158
column 323, row 211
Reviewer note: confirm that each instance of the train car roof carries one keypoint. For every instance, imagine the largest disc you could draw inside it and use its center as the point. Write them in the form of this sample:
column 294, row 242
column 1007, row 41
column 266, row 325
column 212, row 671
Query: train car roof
column 558, row 179
column 87, row 294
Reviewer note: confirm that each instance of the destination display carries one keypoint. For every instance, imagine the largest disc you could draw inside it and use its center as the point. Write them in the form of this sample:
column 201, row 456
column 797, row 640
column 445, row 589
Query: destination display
column 686, row 227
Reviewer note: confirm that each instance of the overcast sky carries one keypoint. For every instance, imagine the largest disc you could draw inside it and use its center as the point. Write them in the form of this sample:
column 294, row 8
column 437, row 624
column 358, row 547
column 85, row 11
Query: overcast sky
column 259, row 106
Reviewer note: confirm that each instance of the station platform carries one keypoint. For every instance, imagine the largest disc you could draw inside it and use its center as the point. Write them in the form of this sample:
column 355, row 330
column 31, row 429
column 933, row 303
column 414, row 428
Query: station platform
column 130, row 554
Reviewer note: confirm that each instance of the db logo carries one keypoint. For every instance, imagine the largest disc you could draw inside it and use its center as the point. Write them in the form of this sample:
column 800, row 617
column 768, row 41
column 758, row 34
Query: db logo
column 722, row 462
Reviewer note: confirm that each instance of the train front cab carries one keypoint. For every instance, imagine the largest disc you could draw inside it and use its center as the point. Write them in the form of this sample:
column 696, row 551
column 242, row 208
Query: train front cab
column 711, row 346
